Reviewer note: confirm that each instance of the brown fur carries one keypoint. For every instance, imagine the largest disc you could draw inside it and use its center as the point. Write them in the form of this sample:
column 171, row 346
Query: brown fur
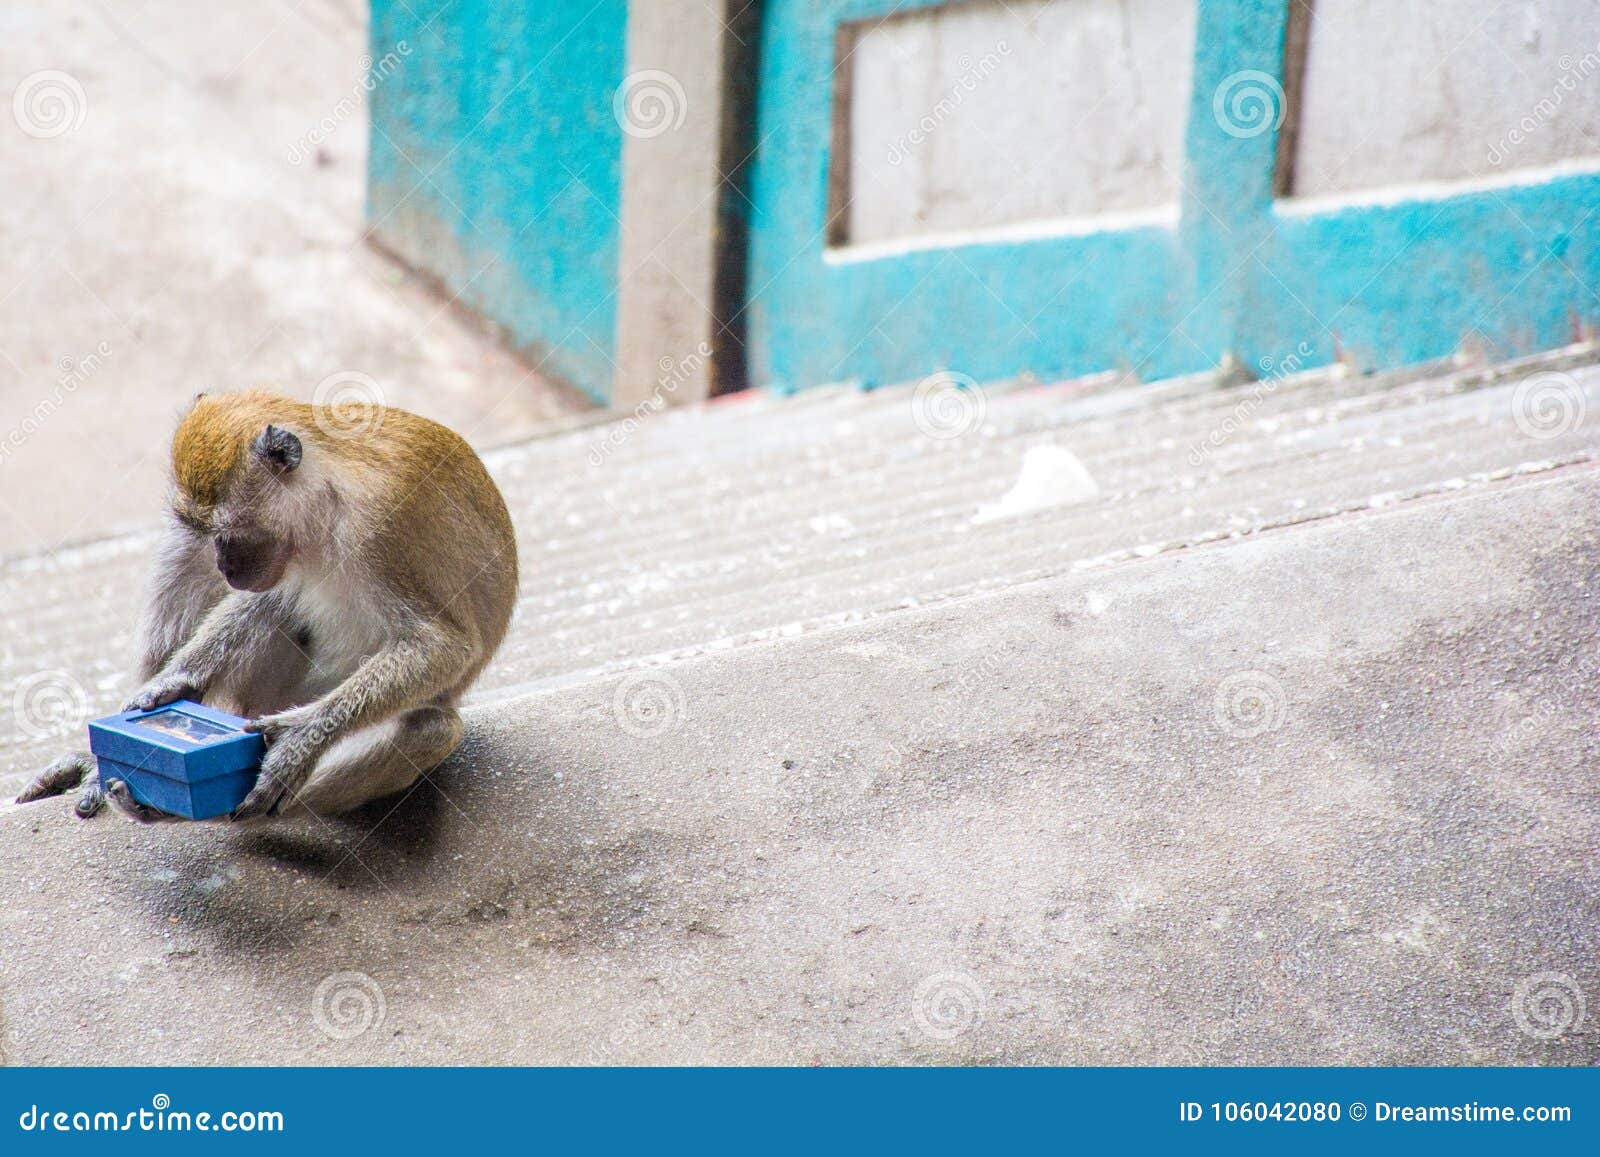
column 212, row 438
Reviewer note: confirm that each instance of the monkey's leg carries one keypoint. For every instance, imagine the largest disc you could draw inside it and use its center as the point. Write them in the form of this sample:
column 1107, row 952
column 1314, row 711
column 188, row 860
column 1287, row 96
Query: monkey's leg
column 377, row 761
column 73, row 770
column 425, row 660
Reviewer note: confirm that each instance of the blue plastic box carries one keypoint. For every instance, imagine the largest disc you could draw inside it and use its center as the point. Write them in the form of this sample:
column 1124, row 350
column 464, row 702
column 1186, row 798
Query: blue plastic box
column 184, row 758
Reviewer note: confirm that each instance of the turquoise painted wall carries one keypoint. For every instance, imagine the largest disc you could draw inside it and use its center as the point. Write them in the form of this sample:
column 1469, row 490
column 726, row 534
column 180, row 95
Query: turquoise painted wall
column 1385, row 285
column 495, row 165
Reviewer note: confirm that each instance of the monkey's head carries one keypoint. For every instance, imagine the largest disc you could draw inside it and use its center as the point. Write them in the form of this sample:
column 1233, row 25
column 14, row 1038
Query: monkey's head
column 235, row 461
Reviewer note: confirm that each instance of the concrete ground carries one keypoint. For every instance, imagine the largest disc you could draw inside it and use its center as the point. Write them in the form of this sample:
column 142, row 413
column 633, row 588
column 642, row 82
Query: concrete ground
column 1271, row 742
column 1022, row 829
column 187, row 233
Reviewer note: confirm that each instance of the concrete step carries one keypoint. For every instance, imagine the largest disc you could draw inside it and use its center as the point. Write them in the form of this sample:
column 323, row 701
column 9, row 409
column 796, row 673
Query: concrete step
column 761, row 517
column 1465, row 430
column 857, row 471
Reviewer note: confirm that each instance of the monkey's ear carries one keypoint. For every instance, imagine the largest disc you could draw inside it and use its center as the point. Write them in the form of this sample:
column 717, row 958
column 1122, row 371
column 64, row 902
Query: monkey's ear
column 278, row 448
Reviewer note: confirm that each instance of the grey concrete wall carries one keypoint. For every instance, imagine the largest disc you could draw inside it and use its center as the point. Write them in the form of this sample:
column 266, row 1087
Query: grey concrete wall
column 983, row 114
column 1446, row 89
column 672, row 138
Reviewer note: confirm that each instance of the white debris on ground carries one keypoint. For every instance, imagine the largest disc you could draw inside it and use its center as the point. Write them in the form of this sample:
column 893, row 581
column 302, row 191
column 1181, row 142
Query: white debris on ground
column 1051, row 476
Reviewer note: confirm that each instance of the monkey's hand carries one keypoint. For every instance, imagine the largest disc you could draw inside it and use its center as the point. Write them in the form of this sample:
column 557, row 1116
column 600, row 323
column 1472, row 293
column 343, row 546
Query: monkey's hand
column 167, row 687
column 294, row 741
column 66, row 773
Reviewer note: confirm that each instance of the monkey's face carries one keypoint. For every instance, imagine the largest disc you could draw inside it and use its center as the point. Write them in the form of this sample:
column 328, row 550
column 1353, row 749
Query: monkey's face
column 252, row 553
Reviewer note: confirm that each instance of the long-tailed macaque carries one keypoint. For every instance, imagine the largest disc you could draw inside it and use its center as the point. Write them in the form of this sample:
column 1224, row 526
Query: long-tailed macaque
column 338, row 578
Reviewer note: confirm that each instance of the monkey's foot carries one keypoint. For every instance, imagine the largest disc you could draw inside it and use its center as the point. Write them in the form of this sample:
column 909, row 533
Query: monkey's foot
column 66, row 773
column 122, row 799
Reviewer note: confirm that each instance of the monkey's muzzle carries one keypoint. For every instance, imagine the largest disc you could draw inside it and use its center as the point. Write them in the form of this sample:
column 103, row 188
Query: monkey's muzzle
column 251, row 560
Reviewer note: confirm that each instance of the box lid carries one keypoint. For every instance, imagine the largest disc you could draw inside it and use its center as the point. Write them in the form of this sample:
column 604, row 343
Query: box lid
column 185, row 741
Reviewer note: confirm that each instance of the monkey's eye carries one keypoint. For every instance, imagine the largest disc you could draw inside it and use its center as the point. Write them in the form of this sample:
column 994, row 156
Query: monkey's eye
column 192, row 520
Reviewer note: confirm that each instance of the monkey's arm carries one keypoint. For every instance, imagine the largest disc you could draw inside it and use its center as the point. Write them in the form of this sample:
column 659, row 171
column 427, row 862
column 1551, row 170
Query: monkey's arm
column 184, row 587
column 421, row 664
column 233, row 637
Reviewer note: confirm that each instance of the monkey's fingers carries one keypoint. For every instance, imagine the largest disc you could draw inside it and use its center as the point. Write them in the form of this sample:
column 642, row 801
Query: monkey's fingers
column 122, row 799
column 261, row 801
column 63, row 775
column 160, row 691
column 273, row 727
column 90, row 800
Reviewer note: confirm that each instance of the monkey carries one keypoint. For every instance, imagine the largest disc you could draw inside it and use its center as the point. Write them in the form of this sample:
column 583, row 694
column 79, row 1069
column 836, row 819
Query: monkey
column 339, row 578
